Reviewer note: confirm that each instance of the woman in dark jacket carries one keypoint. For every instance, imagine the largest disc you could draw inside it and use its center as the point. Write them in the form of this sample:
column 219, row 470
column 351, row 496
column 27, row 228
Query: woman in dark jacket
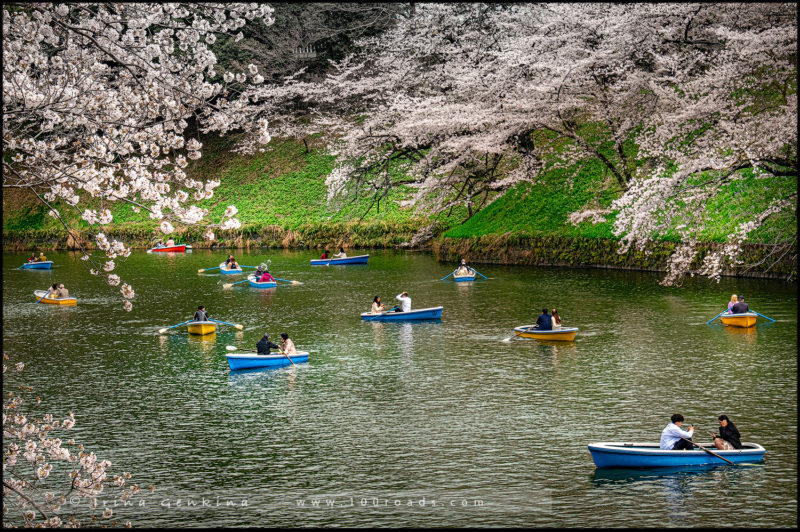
column 728, row 434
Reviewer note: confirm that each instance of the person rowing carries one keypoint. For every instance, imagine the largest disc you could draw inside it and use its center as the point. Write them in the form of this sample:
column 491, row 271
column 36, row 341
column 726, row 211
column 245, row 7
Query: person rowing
column 463, row 269
column 544, row 322
column 341, row 254
column 287, row 346
column 201, row 314
column 674, row 438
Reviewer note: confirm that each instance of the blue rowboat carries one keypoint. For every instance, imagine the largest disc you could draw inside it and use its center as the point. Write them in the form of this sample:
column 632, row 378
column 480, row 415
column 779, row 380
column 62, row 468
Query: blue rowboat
column 359, row 259
column 41, row 265
column 226, row 271
column 433, row 313
column 252, row 360
column 618, row 454
column 251, row 280
column 464, row 278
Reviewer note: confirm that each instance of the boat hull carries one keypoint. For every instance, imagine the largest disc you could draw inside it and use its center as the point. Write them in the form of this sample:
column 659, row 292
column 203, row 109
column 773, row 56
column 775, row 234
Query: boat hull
column 70, row 301
column 359, row 259
column 565, row 334
column 256, row 284
column 433, row 313
column 465, row 278
column 748, row 319
column 42, row 265
column 648, row 455
column 252, row 360
column 226, row 271
column 202, row 327
column 181, row 248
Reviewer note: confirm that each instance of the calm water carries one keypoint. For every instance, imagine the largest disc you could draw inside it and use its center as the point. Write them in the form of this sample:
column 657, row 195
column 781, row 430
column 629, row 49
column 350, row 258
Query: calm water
column 412, row 424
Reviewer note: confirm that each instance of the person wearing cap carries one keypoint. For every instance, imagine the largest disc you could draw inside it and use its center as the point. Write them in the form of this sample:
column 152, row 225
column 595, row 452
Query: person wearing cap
column 264, row 345
column 740, row 307
column 405, row 302
column 201, row 314
column 544, row 321
column 671, row 436
column 287, row 346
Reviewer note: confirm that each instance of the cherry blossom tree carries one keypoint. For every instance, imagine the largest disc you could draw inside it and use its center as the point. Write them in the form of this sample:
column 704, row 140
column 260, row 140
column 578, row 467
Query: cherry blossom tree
column 97, row 99
column 463, row 101
column 42, row 471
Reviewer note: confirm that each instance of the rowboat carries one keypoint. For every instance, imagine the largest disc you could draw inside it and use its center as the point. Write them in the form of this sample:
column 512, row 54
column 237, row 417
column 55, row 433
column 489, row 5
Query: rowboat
column 202, row 327
column 566, row 334
column 251, row 280
column 40, row 265
column 433, row 313
column 227, row 271
column 54, row 301
column 177, row 248
column 747, row 319
column 359, row 259
column 252, row 360
column 618, row 454
column 468, row 277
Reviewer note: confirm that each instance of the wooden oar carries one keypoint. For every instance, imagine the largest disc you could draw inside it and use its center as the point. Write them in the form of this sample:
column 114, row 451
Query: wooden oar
column 206, row 269
column 165, row 329
column 479, row 273
column 446, row 276
column 287, row 281
column 706, row 450
column 254, row 267
column 228, row 285
column 717, row 316
column 754, row 312
column 519, row 335
column 237, row 325
column 234, row 348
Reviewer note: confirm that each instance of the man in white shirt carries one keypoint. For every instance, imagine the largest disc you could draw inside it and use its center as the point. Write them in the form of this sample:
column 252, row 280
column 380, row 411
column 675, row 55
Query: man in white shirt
column 672, row 434
column 405, row 302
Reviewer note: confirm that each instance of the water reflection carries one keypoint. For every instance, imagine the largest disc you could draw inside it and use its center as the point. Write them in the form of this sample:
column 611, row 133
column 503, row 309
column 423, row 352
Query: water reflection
column 406, row 339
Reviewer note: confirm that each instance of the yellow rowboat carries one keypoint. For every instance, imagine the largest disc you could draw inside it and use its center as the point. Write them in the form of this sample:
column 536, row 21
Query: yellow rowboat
column 748, row 319
column 54, row 300
column 565, row 334
column 202, row 327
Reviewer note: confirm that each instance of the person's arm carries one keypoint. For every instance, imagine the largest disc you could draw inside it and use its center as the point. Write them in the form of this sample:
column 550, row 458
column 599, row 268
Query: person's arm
column 677, row 431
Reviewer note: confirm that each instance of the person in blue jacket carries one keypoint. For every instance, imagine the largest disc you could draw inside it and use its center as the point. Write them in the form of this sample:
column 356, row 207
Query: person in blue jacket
column 544, row 323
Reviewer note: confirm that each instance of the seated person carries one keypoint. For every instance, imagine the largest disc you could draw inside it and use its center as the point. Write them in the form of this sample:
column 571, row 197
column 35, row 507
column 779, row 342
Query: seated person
column 729, row 437
column 463, row 269
column 341, row 254
column 740, row 307
column 233, row 265
column 41, row 258
column 266, row 277
column 52, row 292
column 264, row 345
column 377, row 307
column 201, row 314
column 287, row 346
column 32, row 257
column 324, row 254
column 159, row 244
column 170, row 243
column 62, row 292
column 258, row 273
column 544, row 322
column 671, row 436
column 556, row 320
column 732, row 302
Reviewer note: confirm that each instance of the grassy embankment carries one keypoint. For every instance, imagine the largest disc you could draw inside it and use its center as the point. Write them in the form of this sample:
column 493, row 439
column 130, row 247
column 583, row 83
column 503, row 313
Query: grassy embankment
column 280, row 194
column 281, row 197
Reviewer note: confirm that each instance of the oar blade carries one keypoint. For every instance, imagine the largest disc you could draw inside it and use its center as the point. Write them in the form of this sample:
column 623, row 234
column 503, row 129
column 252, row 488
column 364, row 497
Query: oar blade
column 162, row 331
column 227, row 285
column 231, row 347
column 239, row 326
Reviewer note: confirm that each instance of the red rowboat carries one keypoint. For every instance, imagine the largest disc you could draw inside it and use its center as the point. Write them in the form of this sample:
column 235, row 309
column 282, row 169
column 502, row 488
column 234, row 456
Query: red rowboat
column 178, row 248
